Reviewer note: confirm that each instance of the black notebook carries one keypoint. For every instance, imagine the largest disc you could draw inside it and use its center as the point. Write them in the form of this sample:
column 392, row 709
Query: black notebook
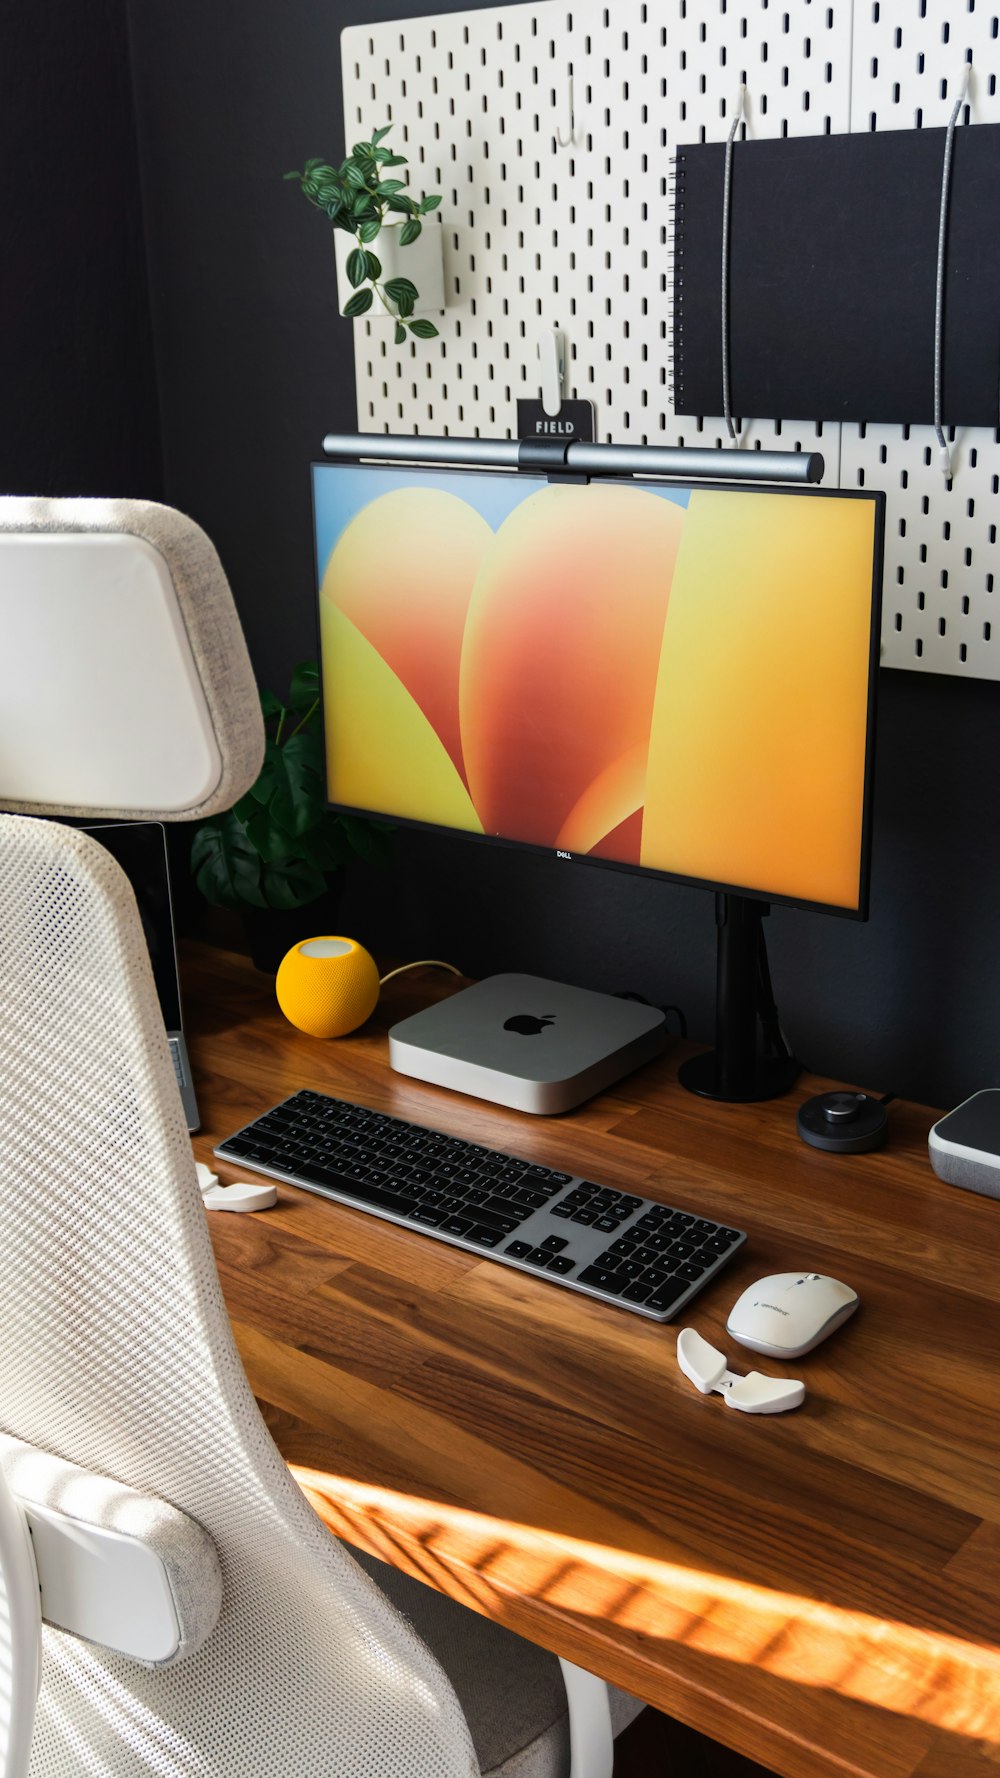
column 833, row 265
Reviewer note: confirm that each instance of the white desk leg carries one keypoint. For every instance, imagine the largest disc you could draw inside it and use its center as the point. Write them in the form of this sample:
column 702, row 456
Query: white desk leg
column 21, row 1631
column 591, row 1743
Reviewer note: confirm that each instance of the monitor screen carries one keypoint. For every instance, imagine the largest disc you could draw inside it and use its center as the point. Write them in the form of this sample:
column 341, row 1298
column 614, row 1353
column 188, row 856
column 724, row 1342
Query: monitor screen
column 669, row 678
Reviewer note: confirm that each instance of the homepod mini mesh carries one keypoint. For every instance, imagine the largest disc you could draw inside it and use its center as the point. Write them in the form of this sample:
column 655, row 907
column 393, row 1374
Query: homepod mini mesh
column 327, row 986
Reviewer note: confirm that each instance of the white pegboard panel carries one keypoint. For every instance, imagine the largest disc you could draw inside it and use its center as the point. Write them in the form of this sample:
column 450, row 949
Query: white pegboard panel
column 941, row 558
column 538, row 235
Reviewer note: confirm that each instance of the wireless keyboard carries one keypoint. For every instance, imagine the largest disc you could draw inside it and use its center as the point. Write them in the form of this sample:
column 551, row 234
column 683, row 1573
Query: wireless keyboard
column 610, row 1244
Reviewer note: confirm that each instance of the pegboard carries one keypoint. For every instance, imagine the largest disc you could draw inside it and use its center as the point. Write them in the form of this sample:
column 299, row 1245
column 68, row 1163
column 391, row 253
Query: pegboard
column 940, row 613
column 538, row 235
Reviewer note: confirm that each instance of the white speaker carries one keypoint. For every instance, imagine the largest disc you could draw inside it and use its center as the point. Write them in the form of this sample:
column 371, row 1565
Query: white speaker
column 965, row 1144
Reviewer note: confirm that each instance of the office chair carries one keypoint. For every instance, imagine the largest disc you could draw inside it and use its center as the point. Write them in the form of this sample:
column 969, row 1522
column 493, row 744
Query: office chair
column 263, row 1648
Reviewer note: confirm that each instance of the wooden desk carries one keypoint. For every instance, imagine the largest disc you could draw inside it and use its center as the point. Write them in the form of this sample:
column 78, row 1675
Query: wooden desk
column 821, row 1590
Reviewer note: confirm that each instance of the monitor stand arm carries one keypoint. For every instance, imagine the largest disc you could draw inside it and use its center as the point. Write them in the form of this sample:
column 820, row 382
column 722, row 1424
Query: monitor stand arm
column 735, row 1069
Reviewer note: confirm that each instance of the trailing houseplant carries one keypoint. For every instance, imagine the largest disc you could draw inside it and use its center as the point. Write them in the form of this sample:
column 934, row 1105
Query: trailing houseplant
column 359, row 200
column 280, row 848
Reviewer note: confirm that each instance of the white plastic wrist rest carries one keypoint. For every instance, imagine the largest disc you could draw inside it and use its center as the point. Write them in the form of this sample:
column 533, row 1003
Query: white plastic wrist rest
column 753, row 1394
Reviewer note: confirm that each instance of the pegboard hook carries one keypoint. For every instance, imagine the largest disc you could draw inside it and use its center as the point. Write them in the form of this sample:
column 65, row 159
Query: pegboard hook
column 553, row 365
column 569, row 139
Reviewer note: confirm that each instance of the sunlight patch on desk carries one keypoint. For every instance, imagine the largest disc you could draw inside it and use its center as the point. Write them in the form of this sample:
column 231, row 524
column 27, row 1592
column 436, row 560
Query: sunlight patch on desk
column 939, row 1679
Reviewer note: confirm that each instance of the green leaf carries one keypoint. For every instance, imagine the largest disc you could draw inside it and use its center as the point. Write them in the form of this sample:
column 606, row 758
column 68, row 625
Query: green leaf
column 270, row 839
column 291, row 885
column 409, row 231
column 424, row 330
column 363, row 206
column 380, row 135
column 373, row 266
column 335, row 213
column 400, row 333
column 404, row 306
column 347, row 222
column 290, row 783
column 291, row 175
column 361, row 149
column 397, row 287
column 402, row 206
column 226, row 866
column 325, row 846
column 358, row 304
column 395, row 160
column 386, row 187
column 357, row 266
column 305, row 687
column 430, row 203
column 317, row 161
column 270, row 705
column 369, row 230
column 352, row 174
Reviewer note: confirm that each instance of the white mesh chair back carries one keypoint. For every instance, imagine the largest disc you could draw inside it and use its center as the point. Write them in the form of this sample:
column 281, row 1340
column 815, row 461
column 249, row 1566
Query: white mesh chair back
column 125, row 685
column 118, row 1356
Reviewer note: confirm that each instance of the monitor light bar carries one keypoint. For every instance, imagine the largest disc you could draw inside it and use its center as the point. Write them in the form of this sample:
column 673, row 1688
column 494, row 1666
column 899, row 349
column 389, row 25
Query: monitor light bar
column 581, row 457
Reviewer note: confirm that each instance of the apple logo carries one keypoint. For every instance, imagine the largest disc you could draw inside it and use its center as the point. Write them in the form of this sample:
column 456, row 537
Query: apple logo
column 527, row 1025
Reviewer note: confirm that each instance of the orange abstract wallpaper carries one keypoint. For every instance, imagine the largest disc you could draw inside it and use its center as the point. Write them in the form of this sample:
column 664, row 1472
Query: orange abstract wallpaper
column 671, row 678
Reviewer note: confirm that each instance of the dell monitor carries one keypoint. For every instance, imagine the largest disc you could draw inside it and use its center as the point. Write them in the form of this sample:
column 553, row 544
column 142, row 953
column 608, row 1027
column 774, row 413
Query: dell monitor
column 669, row 677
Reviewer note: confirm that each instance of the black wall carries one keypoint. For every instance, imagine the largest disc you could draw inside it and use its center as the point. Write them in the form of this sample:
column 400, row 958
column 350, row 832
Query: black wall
column 254, row 366
column 77, row 389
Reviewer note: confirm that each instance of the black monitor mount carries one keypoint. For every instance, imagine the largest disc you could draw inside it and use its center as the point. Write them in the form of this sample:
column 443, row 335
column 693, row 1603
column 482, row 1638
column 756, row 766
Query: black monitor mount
column 746, row 1018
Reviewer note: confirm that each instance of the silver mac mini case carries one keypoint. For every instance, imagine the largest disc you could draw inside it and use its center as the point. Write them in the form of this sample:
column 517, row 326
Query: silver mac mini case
column 522, row 1041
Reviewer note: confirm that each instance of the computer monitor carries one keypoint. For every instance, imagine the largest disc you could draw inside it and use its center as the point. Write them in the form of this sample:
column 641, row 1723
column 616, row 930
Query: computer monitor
column 667, row 678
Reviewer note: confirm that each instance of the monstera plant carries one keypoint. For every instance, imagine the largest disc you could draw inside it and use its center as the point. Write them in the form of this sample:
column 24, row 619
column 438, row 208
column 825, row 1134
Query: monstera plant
column 280, row 847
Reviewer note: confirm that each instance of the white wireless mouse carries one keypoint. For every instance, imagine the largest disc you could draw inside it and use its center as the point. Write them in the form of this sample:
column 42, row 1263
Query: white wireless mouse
column 790, row 1312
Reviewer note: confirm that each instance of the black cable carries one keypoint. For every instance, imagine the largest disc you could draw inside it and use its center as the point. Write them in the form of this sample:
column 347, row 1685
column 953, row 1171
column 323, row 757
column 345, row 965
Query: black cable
column 630, row 994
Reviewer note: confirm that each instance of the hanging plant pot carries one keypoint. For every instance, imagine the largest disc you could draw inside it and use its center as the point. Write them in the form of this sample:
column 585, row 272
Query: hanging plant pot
column 421, row 261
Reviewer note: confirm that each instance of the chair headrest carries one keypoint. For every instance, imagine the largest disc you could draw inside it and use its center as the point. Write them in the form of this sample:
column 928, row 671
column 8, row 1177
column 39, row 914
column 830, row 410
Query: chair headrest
column 126, row 688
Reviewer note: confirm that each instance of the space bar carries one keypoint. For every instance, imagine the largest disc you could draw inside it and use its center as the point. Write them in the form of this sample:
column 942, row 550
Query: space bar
column 343, row 1186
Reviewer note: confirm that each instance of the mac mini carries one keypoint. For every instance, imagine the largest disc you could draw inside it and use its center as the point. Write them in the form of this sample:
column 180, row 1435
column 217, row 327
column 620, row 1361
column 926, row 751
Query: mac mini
column 522, row 1041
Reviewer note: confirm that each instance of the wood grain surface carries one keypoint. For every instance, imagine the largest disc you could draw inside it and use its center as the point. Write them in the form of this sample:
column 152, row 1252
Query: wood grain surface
column 820, row 1590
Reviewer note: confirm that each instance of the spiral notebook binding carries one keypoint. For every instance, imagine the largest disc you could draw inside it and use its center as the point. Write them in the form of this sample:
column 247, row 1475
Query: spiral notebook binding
column 675, row 258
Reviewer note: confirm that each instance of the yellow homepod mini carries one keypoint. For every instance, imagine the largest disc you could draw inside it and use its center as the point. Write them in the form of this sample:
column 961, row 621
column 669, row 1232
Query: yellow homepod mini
column 327, row 986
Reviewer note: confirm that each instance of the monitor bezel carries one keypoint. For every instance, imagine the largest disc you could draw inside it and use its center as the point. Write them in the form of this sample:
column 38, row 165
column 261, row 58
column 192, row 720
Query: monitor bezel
column 875, row 498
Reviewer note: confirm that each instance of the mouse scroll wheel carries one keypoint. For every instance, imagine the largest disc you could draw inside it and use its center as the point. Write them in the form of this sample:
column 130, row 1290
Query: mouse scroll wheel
column 840, row 1108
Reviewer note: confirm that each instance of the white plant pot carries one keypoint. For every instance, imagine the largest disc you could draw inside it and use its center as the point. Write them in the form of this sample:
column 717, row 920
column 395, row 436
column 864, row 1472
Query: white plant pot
column 421, row 261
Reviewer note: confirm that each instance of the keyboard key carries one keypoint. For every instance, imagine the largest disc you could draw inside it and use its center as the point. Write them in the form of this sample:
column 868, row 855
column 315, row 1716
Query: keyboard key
column 561, row 1263
column 434, row 1218
column 456, row 1225
column 518, row 1249
column 690, row 1271
column 537, row 1257
column 600, row 1279
column 705, row 1228
column 555, row 1243
column 637, row 1293
column 681, row 1249
column 583, row 1216
column 655, row 1275
column 561, row 1211
column 484, row 1237
column 666, row 1295
column 607, row 1224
